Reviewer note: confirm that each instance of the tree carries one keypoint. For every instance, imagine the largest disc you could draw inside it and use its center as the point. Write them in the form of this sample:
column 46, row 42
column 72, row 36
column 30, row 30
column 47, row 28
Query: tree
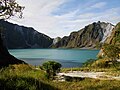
column 8, row 8
column 51, row 68
column 111, row 52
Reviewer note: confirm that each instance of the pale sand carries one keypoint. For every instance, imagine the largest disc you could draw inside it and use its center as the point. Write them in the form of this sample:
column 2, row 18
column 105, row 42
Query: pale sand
column 118, row 60
column 96, row 75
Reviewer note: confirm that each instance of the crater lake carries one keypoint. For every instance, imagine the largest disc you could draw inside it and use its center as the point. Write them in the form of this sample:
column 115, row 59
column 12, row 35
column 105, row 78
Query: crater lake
column 67, row 57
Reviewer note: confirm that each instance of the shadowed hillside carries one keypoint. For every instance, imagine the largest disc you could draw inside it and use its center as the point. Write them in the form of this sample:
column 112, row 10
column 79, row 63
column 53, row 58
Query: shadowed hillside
column 23, row 37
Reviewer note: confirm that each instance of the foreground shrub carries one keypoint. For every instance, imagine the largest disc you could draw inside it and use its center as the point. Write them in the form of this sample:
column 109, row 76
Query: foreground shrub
column 51, row 68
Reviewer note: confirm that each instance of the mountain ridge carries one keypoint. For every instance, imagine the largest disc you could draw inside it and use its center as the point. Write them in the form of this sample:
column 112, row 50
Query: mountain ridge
column 17, row 36
column 91, row 36
column 87, row 37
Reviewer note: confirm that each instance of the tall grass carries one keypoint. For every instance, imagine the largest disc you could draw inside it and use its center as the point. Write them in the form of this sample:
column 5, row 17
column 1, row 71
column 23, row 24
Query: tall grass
column 24, row 77
column 89, row 84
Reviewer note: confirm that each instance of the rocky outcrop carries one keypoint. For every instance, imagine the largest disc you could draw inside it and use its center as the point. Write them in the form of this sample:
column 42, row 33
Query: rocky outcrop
column 88, row 37
column 113, row 38
column 56, row 40
column 23, row 37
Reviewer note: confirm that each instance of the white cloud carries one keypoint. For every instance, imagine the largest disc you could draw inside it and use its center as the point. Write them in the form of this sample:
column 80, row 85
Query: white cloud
column 38, row 14
column 98, row 5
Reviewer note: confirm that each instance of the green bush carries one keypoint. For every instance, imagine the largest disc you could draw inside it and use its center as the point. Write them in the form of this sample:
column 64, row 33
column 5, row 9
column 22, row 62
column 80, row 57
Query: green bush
column 51, row 68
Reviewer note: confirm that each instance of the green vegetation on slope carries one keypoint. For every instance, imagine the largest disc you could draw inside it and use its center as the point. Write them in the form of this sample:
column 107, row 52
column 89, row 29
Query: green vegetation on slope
column 117, row 34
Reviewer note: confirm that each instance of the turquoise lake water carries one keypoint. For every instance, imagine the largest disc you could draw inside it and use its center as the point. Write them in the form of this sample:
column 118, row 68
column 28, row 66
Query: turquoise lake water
column 67, row 57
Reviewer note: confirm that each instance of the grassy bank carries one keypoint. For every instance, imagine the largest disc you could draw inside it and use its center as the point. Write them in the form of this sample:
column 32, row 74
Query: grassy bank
column 24, row 77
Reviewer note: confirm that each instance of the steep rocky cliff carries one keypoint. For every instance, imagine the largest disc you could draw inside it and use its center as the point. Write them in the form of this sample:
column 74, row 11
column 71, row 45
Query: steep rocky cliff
column 89, row 37
column 23, row 37
column 113, row 38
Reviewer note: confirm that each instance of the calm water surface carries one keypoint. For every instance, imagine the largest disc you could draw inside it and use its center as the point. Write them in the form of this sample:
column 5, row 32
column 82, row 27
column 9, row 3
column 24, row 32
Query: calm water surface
column 67, row 57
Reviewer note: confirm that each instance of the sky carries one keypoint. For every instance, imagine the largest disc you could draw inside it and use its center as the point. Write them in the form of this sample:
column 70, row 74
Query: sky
column 60, row 17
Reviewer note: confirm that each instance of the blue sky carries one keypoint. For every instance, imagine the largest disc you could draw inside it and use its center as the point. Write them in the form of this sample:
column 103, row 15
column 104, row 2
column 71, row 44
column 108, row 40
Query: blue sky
column 60, row 17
